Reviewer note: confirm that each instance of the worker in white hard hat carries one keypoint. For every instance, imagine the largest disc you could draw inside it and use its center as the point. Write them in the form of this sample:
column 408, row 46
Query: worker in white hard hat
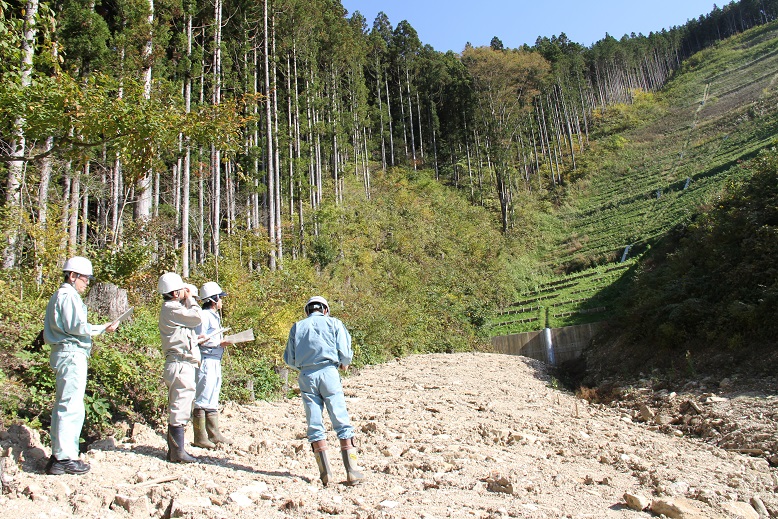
column 205, row 416
column 318, row 346
column 67, row 330
column 179, row 317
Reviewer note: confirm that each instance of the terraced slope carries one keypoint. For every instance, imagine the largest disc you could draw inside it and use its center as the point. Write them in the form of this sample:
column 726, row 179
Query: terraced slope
column 719, row 109
column 558, row 301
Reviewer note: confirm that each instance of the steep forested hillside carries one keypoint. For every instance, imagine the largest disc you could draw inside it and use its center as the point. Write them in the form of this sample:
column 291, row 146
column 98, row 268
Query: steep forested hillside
column 688, row 187
column 653, row 167
column 204, row 120
column 708, row 292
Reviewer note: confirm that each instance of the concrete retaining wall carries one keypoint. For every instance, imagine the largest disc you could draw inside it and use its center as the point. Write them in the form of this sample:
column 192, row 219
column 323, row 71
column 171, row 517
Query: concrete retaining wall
column 566, row 343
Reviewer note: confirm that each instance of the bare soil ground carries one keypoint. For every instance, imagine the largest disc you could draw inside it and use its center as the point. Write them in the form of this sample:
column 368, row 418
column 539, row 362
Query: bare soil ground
column 463, row 435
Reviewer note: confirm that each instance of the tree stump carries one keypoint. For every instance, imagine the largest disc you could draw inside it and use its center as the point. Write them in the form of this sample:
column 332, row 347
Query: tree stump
column 283, row 374
column 107, row 300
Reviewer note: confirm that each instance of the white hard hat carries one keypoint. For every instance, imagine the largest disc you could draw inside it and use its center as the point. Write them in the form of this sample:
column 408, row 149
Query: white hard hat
column 211, row 289
column 316, row 303
column 192, row 289
column 79, row 265
column 169, row 282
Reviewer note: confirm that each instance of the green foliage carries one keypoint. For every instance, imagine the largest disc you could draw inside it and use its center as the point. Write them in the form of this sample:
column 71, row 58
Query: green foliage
column 97, row 416
column 246, row 378
column 142, row 331
column 322, row 252
column 38, row 378
column 85, row 35
column 715, row 280
column 10, row 43
column 120, row 268
column 129, row 377
column 86, row 113
column 418, row 268
column 619, row 118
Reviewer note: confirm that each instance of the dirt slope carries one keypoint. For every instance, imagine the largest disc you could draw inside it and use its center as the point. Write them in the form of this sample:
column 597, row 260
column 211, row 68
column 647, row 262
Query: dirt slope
column 465, row 435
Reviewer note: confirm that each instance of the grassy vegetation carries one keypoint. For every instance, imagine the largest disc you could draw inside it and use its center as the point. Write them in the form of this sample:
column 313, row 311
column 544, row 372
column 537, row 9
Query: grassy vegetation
column 556, row 301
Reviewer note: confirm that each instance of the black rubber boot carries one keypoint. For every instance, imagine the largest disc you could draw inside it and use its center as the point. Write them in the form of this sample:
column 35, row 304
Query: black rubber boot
column 212, row 426
column 200, row 430
column 320, row 452
column 353, row 471
column 175, row 446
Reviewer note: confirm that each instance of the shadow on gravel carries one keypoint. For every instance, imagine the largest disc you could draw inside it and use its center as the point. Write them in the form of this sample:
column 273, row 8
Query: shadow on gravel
column 221, row 462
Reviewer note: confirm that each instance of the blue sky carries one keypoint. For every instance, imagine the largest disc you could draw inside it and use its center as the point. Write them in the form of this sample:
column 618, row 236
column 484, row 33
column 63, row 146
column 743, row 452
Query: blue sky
column 449, row 24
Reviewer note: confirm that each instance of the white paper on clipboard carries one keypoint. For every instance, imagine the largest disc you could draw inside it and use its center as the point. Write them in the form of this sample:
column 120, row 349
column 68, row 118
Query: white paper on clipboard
column 244, row 336
column 126, row 315
column 212, row 334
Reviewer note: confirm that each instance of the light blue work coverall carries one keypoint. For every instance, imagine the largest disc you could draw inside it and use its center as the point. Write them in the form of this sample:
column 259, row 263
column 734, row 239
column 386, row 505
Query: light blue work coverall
column 209, row 374
column 317, row 345
column 66, row 329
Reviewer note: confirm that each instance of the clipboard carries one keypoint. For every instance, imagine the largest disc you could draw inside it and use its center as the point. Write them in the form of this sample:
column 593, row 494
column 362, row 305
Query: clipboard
column 211, row 335
column 126, row 315
column 244, row 336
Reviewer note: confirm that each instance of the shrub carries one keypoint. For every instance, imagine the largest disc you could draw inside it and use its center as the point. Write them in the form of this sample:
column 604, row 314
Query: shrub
column 245, row 380
column 714, row 282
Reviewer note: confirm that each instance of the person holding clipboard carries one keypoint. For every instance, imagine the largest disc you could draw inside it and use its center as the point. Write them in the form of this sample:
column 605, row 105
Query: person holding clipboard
column 69, row 333
column 209, row 374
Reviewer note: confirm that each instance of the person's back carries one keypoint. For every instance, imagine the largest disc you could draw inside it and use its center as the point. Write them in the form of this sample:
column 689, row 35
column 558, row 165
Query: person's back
column 319, row 340
column 317, row 346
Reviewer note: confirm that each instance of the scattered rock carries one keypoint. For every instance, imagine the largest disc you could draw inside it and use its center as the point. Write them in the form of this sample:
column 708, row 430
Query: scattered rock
column 143, row 434
column 33, row 491
column 8, row 480
column 691, row 405
column 498, row 483
column 677, row 508
column 740, row 510
column 240, row 499
column 646, row 413
column 25, row 445
column 189, row 507
column 637, row 501
column 106, row 444
column 514, row 458
column 759, row 506
column 136, row 506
